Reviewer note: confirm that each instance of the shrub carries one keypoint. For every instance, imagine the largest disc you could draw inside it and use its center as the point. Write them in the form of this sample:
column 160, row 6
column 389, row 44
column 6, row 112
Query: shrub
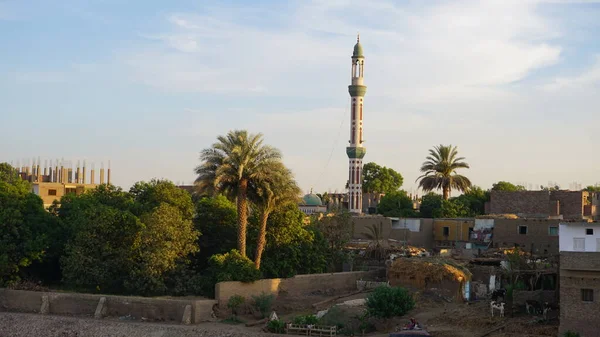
column 263, row 303
column 306, row 319
column 233, row 266
column 386, row 302
column 571, row 334
column 276, row 326
column 234, row 303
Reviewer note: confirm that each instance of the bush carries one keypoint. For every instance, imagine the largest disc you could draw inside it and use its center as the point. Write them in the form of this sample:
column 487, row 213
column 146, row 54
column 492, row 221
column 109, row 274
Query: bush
column 233, row 266
column 386, row 302
column 306, row 319
column 234, row 303
column 276, row 326
column 571, row 334
column 263, row 303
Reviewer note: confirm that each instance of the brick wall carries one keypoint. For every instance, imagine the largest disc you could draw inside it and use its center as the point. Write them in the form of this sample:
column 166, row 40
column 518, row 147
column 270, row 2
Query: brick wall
column 524, row 203
column 579, row 271
column 506, row 234
column 423, row 238
column 571, row 203
column 299, row 285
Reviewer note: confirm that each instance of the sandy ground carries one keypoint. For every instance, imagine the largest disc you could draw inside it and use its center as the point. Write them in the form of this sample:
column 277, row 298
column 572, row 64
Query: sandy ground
column 35, row 325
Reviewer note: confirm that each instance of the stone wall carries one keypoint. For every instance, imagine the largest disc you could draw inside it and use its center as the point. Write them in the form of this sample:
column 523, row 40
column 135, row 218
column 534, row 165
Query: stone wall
column 159, row 309
column 506, row 234
column 423, row 238
column 299, row 285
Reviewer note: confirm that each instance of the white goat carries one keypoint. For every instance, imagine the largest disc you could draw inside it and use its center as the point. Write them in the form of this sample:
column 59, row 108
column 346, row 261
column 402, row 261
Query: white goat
column 498, row 306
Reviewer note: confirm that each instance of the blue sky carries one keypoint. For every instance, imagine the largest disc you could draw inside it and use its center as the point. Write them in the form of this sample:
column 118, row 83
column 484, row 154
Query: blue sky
column 148, row 84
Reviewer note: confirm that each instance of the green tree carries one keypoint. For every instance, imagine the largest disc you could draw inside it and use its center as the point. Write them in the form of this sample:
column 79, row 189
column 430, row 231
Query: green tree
column 396, row 204
column 112, row 249
column 474, row 200
column 434, row 206
column 216, row 219
column 230, row 166
column 380, row 179
column 592, row 188
column 337, row 230
column 431, row 205
column 439, row 171
column 274, row 190
column 149, row 195
column 24, row 224
column 292, row 246
column 387, row 302
column 507, row 187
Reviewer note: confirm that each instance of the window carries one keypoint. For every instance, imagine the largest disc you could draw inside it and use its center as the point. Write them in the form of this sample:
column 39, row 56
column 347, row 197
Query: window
column 587, row 295
column 70, row 190
column 589, row 231
column 523, row 230
column 51, row 192
column 579, row 244
column 446, row 231
column 553, row 231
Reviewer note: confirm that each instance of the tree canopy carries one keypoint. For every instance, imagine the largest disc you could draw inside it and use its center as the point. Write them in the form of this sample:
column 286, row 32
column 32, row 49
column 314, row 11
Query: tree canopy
column 507, row 187
column 380, row 179
column 396, row 204
column 230, row 166
column 439, row 171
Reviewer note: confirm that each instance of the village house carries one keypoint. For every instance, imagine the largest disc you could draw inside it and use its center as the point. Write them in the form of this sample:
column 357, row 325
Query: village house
column 579, row 244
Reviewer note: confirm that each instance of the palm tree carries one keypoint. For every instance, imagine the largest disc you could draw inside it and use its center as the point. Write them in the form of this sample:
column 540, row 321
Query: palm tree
column 275, row 190
column 230, row 165
column 439, row 171
column 375, row 234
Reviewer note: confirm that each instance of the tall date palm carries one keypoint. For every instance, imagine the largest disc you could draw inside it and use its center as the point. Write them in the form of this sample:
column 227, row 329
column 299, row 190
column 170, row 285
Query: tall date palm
column 439, row 171
column 276, row 189
column 231, row 165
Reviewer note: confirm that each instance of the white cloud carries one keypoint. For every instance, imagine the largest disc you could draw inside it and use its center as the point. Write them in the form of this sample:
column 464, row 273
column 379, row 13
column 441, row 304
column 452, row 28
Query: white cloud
column 442, row 73
column 587, row 78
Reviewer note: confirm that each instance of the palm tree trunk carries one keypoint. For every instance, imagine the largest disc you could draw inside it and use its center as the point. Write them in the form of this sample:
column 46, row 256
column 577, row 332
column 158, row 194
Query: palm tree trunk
column 262, row 238
column 242, row 210
column 446, row 191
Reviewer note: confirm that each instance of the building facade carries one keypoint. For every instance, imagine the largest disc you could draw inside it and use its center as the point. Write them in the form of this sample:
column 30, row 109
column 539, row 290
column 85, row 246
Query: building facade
column 580, row 278
column 52, row 181
column 356, row 151
column 575, row 205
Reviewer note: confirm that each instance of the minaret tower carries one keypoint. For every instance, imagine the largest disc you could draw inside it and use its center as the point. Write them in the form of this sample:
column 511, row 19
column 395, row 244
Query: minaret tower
column 356, row 151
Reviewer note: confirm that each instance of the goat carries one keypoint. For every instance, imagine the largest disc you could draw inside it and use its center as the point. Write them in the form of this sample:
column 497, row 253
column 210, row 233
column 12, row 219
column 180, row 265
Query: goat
column 548, row 307
column 498, row 306
column 498, row 293
column 533, row 307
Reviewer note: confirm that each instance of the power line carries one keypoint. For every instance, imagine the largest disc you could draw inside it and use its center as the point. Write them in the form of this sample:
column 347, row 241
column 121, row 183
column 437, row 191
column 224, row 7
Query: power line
column 336, row 140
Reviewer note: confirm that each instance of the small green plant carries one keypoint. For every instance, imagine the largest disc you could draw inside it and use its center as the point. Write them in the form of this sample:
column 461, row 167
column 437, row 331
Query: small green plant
column 306, row 319
column 276, row 326
column 571, row 334
column 234, row 303
column 386, row 302
column 263, row 303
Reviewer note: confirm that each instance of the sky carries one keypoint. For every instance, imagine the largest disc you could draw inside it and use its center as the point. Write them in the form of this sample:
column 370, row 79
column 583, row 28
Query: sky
column 514, row 84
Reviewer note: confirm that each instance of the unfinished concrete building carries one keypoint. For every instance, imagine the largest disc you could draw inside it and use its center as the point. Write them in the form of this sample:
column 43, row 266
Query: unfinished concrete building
column 54, row 179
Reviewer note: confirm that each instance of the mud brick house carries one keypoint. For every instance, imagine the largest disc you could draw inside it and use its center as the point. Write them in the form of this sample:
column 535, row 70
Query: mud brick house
column 575, row 205
column 539, row 236
column 580, row 278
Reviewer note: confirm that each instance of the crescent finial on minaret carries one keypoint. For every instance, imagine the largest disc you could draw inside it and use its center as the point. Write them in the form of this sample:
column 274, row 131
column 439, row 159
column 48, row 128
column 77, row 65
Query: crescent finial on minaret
column 357, row 37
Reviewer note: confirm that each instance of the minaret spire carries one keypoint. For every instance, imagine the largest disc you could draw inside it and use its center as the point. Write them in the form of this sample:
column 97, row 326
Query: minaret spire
column 356, row 151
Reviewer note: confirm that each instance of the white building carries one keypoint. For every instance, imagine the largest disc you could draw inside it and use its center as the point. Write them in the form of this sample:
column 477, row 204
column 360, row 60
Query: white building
column 579, row 237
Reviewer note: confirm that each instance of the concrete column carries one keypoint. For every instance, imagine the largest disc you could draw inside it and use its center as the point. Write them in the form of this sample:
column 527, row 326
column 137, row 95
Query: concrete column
column 45, row 308
column 187, row 315
column 100, row 308
column 83, row 174
column 101, row 175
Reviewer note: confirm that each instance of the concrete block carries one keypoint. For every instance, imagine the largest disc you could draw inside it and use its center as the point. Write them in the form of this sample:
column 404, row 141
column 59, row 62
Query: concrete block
column 101, row 308
column 187, row 315
column 45, row 309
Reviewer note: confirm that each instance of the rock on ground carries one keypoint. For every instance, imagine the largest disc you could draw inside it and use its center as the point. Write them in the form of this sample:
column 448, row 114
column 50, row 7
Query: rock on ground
column 26, row 325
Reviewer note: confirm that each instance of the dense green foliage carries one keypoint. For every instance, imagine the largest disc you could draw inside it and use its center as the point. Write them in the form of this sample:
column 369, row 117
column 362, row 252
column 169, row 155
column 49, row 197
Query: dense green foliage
column 396, row 204
column 234, row 303
column 126, row 242
column 387, row 302
column 306, row 319
column 232, row 266
column 380, row 179
column 507, row 187
column 276, row 326
column 24, row 226
column 337, row 230
column 231, row 166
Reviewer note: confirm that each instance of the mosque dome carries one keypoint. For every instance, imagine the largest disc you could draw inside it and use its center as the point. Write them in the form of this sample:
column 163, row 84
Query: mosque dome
column 358, row 50
column 312, row 200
